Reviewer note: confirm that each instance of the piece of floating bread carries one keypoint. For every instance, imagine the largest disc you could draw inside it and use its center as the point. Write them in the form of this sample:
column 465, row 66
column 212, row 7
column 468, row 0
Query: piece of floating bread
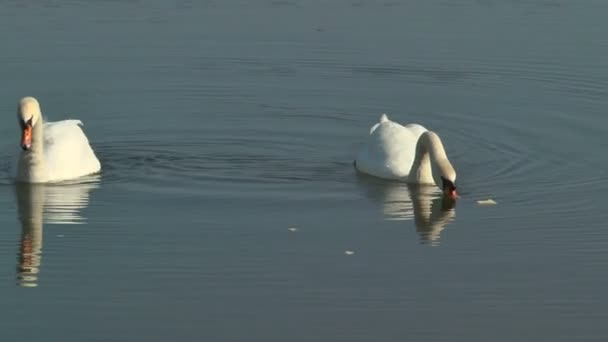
column 349, row 252
column 292, row 229
column 488, row 201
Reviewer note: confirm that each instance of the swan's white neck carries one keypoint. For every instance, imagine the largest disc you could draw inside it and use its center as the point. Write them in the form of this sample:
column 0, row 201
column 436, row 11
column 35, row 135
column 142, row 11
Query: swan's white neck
column 32, row 167
column 429, row 153
column 38, row 137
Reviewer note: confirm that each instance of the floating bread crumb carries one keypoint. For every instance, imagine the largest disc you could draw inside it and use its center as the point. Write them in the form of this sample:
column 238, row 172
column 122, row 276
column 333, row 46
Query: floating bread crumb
column 349, row 252
column 488, row 201
column 292, row 229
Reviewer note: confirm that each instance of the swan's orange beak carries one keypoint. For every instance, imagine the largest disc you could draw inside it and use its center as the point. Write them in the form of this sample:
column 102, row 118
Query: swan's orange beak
column 452, row 193
column 450, row 190
column 26, row 137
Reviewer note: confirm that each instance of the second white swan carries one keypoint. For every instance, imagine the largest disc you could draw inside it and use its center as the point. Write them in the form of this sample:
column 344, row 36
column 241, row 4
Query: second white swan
column 410, row 153
column 53, row 151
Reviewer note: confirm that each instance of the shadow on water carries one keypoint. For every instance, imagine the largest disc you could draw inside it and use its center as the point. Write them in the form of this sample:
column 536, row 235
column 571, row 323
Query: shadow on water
column 40, row 204
column 430, row 210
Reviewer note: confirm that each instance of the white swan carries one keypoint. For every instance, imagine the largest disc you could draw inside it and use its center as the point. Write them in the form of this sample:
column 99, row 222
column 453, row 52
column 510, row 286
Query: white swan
column 53, row 151
column 410, row 153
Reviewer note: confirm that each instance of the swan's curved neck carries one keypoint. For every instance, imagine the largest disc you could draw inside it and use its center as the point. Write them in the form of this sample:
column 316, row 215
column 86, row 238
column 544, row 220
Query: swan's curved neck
column 37, row 137
column 32, row 167
column 429, row 153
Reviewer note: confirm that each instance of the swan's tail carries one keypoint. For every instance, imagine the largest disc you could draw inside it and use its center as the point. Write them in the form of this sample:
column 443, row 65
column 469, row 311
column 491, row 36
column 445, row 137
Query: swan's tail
column 383, row 118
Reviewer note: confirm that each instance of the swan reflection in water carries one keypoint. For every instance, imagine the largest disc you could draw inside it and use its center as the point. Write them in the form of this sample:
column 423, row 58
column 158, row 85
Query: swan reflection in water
column 40, row 204
column 425, row 204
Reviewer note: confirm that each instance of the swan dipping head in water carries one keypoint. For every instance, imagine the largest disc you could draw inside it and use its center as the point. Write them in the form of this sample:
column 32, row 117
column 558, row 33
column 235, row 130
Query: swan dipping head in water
column 52, row 151
column 408, row 153
column 431, row 160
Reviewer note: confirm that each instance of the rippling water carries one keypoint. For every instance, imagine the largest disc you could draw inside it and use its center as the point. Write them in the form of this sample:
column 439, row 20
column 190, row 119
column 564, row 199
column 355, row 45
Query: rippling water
column 220, row 125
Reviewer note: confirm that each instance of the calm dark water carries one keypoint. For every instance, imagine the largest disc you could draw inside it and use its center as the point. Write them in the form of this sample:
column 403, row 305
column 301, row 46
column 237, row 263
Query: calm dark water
column 222, row 124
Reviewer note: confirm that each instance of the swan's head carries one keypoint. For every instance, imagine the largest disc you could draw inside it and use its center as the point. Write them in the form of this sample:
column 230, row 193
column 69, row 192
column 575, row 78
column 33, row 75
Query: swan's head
column 449, row 187
column 28, row 114
column 443, row 173
column 447, row 174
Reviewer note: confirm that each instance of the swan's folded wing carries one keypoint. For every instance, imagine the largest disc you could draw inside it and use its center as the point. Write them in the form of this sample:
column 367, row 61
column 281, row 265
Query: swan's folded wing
column 67, row 151
column 390, row 150
column 59, row 130
column 416, row 130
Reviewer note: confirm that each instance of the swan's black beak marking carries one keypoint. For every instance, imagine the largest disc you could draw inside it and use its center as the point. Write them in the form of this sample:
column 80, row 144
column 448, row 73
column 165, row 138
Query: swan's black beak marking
column 449, row 188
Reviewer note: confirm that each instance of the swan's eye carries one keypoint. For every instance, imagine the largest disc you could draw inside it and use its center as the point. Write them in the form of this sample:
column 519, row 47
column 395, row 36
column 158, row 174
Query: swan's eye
column 24, row 124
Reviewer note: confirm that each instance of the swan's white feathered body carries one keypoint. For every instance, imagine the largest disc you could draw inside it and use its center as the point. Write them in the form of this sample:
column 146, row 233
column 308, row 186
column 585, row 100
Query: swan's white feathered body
column 390, row 149
column 58, row 150
column 67, row 151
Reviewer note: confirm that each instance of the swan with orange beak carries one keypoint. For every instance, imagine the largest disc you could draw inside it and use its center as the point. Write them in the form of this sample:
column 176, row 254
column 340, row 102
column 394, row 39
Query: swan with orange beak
column 52, row 151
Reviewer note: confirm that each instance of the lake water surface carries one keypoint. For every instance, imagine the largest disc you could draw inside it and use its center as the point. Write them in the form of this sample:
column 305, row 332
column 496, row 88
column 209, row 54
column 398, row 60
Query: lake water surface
column 220, row 125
